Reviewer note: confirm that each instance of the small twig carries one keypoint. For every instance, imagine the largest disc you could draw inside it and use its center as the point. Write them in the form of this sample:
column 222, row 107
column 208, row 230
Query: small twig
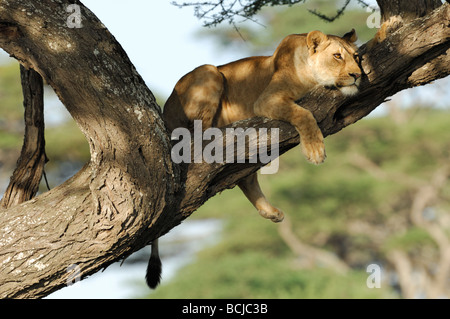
column 45, row 179
column 328, row 18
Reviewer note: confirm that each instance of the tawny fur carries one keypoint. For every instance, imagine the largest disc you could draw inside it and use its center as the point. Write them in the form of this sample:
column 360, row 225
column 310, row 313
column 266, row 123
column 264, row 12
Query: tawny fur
column 268, row 86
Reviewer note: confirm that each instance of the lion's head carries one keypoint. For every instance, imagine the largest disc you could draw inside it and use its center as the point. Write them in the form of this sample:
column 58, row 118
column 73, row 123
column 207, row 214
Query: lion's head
column 334, row 60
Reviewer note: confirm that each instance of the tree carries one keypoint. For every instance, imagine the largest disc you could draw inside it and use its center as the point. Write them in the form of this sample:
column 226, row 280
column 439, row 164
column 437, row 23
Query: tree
column 131, row 192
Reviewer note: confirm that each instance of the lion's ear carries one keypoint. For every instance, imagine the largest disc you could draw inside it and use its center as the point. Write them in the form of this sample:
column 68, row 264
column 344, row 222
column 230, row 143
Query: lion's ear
column 314, row 39
column 350, row 36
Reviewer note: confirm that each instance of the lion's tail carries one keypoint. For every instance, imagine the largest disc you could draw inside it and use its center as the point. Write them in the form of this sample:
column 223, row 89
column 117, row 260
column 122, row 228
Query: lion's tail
column 153, row 276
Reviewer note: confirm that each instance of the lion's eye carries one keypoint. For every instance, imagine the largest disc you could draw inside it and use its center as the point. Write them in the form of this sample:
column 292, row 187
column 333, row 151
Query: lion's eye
column 337, row 56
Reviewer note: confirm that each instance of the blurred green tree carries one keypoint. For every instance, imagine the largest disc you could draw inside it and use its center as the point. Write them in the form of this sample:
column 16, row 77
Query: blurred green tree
column 382, row 197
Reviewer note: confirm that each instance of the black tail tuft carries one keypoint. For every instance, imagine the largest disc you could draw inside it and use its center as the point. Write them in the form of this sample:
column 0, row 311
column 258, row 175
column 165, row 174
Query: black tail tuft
column 153, row 276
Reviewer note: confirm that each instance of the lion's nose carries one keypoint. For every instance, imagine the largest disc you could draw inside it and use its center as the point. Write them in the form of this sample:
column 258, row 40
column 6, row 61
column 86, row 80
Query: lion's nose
column 356, row 76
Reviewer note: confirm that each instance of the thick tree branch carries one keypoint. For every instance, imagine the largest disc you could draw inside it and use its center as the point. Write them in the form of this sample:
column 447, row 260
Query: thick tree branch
column 112, row 207
column 131, row 192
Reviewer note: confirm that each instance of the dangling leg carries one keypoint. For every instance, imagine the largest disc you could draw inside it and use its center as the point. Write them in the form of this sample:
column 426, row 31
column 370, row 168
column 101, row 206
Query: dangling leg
column 252, row 190
column 153, row 276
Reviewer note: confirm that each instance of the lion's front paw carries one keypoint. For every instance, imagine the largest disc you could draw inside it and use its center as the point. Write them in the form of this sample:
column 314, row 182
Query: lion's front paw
column 314, row 151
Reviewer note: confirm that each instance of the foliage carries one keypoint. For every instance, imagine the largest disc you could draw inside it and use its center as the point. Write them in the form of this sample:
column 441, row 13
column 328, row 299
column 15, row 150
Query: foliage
column 215, row 12
column 11, row 116
column 10, row 94
column 276, row 23
column 259, row 275
column 57, row 148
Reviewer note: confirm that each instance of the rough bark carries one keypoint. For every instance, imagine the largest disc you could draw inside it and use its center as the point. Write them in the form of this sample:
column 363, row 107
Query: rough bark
column 131, row 192
column 408, row 10
column 112, row 206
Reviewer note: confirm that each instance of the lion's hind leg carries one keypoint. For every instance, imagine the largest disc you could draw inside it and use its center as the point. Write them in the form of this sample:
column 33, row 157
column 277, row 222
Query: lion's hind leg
column 200, row 92
column 252, row 190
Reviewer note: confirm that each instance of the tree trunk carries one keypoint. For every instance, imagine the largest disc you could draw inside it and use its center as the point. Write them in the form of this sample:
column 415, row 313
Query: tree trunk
column 27, row 176
column 408, row 10
column 125, row 196
column 131, row 192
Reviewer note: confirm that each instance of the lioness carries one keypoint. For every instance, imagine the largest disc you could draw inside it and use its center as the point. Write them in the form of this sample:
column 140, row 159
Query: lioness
column 265, row 86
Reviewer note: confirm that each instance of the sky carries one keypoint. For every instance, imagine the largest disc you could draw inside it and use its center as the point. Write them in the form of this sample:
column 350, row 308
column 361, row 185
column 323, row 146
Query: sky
column 158, row 37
